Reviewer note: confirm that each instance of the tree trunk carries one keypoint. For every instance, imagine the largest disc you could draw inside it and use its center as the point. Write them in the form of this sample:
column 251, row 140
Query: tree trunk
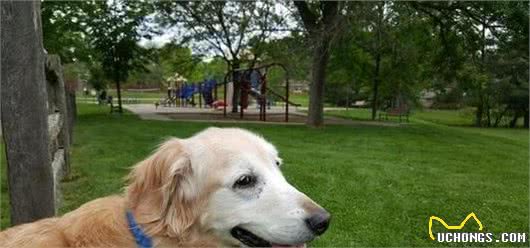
column 24, row 113
column 480, row 107
column 499, row 117
column 377, row 79
column 488, row 115
column 526, row 121
column 321, row 28
column 237, row 86
column 376, row 85
column 315, row 116
column 478, row 116
column 513, row 122
column 71, row 109
column 118, row 90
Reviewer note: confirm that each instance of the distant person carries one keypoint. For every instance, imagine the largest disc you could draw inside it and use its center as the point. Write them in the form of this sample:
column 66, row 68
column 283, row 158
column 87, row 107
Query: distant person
column 169, row 89
column 85, row 91
column 102, row 97
column 207, row 92
column 255, row 80
column 176, row 92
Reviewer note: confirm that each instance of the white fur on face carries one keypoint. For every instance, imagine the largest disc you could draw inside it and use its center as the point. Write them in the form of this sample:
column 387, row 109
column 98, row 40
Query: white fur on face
column 271, row 208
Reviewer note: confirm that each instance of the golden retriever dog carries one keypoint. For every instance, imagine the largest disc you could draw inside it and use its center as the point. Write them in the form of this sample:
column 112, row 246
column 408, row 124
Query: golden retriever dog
column 221, row 187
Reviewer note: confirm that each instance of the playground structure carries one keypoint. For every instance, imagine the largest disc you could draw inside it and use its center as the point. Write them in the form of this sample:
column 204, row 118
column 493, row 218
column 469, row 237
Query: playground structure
column 183, row 93
column 253, row 82
column 186, row 93
column 243, row 83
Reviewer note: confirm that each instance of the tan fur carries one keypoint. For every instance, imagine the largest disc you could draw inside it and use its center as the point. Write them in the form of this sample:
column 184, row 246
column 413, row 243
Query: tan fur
column 166, row 215
column 182, row 195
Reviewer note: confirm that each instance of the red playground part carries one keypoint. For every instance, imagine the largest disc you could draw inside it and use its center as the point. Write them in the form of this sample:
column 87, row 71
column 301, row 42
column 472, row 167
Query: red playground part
column 218, row 104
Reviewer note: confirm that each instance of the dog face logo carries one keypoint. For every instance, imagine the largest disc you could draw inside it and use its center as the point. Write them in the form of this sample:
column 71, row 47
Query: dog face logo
column 448, row 227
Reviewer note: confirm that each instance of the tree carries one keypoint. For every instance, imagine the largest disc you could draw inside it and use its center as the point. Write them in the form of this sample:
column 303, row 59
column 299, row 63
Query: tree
column 97, row 77
column 216, row 69
column 321, row 20
column 225, row 28
column 102, row 34
column 64, row 27
column 373, row 35
column 512, row 65
column 25, row 123
column 378, row 27
column 350, row 73
column 382, row 58
column 152, row 76
column 290, row 51
column 178, row 59
column 115, row 28
column 474, row 35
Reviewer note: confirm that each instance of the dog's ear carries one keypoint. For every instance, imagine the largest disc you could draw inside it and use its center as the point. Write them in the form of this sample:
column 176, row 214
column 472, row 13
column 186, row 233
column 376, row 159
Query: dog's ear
column 161, row 190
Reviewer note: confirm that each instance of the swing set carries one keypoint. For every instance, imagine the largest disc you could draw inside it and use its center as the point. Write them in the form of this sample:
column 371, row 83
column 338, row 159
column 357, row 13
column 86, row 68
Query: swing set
column 253, row 82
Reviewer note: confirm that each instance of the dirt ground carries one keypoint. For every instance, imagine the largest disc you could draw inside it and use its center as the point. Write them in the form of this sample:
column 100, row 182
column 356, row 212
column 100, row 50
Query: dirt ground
column 275, row 115
column 214, row 116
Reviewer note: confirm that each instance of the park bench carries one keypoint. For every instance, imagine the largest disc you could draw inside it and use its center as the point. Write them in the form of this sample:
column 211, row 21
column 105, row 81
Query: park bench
column 112, row 107
column 401, row 111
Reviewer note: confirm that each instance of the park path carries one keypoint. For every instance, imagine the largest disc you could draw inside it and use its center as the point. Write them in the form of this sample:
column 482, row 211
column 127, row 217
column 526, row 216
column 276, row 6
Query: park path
column 190, row 114
column 150, row 112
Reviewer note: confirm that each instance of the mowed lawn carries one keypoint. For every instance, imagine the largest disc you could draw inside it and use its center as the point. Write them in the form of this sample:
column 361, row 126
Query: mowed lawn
column 461, row 117
column 127, row 96
column 381, row 184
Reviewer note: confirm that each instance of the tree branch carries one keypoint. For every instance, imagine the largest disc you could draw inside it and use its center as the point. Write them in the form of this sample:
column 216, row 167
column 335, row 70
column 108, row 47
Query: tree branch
column 309, row 19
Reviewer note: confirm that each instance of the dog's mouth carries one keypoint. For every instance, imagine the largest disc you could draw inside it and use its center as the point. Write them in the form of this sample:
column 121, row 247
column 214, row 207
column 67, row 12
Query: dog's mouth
column 252, row 240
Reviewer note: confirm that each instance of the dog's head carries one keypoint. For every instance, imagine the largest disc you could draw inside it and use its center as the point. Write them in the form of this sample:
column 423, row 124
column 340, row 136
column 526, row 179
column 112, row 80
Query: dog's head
column 226, row 182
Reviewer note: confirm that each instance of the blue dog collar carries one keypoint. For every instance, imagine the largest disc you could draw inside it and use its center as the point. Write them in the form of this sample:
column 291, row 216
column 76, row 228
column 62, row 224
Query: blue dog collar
column 142, row 239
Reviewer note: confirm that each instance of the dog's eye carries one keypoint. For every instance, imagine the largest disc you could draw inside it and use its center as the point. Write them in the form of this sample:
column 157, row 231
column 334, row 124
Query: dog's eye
column 278, row 163
column 245, row 181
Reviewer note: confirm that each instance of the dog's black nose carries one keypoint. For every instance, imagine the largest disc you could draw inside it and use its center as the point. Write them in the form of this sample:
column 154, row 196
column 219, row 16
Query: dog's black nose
column 319, row 222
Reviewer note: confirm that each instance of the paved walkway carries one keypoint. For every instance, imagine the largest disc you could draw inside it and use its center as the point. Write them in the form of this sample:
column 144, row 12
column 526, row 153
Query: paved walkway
column 275, row 115
column 150, row 112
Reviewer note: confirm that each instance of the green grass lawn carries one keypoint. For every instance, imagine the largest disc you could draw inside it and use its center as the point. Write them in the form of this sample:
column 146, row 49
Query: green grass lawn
column 139, row 97
column 136, row 94
column 445, row 117
column 381, row 184
column 461, row 117
column 133, row 94
column 301, row 98
column 362, row 114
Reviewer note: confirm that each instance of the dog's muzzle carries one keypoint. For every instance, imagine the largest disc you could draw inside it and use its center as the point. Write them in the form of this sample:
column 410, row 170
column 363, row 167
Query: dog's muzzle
column 248, row 238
